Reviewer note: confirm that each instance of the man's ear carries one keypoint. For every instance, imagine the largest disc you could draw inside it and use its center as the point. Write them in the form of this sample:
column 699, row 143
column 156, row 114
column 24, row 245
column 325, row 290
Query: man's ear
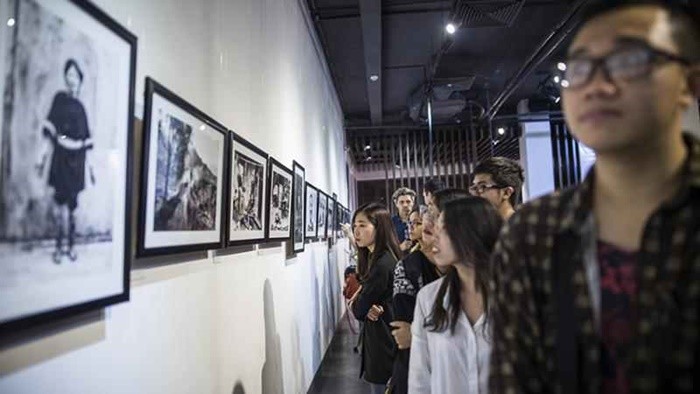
column 507, row 192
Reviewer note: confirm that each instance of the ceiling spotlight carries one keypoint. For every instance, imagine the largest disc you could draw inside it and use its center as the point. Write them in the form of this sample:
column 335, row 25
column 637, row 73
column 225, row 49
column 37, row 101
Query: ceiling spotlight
column 374, row 77
column 449, row 85
column 564, row 83
column 367, row 147
column 561, row 66
column 557, row 79
column 501, row 130
column 557, row 100
column 202, row 127
column 11, row 22
column 450, row 28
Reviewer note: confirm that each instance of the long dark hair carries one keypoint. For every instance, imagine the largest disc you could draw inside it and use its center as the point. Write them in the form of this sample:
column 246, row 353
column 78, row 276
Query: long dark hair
column 384, row 237
column 472, row 224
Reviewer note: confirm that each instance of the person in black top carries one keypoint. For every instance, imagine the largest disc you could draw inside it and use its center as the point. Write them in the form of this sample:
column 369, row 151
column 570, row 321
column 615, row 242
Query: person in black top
column 66, row 127
column 410, row 275
column 377, row 248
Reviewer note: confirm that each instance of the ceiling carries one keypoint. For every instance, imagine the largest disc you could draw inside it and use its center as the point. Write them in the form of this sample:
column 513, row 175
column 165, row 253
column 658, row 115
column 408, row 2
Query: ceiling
column 404, row 44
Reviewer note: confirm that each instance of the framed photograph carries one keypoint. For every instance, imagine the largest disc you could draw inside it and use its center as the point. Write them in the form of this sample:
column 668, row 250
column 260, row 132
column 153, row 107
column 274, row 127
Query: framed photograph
column 330, row 217
column 279, row 202
column 340, row 215
column 311, row 211
column 322, row 215
column 182, row 192
column 299, row 207
column 248, row 169
column 66, row 148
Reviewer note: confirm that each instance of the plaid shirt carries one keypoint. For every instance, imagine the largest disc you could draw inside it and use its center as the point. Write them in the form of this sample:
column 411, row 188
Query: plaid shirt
column 547, row 295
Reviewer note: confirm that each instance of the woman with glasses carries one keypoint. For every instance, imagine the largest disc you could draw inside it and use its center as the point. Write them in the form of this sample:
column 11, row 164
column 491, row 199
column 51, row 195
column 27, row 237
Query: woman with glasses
column 410, row 275
column 451, row 341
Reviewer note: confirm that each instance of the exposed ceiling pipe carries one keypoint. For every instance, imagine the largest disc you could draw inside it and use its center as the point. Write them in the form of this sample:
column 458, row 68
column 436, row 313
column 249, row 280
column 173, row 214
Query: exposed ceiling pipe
column 541, row 52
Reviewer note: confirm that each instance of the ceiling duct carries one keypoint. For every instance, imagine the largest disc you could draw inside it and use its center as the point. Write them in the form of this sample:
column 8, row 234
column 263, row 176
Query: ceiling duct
column 487, row 13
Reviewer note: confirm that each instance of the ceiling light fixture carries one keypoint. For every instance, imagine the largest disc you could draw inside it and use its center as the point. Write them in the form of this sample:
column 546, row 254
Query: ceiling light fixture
column 367, row 147
column 202, row 127
column 11, row 22
column 561, row 66
column 557, row 79
column 501, row 130
column 450, row 28
column 374, row 77
column 557, row 100
column 564, row 83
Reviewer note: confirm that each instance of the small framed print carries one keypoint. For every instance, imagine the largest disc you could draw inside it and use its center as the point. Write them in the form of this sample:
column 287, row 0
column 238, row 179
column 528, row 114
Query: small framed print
column 322, row 215
column 247, row 209
column 279, row 202
column 311, row 212
column 183, row 176
column 298, row 208
column 330, row 217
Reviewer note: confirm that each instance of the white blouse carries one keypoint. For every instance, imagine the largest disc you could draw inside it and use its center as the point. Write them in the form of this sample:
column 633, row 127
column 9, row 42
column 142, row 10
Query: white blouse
column 443, row 363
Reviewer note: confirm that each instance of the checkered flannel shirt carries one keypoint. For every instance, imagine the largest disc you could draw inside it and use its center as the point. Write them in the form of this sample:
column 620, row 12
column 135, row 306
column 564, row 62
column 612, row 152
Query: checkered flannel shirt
column 545, row 333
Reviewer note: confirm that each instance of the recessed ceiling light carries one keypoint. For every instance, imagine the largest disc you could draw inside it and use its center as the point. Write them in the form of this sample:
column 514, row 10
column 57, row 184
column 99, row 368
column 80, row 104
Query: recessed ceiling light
column 367, row 147
column 374, row 77
column 11, row 22
column 450, row 28
column 501, row 130
column 557, row 100
column 449, row 85
column 202, row 127
column 564, row 83
column 557, row 79
column 561, row 66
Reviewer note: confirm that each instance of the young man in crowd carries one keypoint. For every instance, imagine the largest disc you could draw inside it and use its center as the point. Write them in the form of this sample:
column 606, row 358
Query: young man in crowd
column 500, row 181
column 403, row 198
column 432, row 186
column 597, row 289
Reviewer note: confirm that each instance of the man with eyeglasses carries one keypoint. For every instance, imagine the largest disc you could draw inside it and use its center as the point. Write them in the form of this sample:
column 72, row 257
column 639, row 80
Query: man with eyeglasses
column 597, row 288
column 498, row 180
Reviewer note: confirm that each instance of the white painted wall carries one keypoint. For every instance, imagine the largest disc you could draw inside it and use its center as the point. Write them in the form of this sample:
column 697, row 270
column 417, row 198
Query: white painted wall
column 536, row 159
column 207, row 324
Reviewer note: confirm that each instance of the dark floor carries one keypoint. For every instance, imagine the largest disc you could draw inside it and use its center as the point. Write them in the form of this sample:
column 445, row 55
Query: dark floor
column 340, row 368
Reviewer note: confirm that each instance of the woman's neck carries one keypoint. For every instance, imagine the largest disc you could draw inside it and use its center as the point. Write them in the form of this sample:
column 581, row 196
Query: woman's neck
column 371, row 248
column 467, row 278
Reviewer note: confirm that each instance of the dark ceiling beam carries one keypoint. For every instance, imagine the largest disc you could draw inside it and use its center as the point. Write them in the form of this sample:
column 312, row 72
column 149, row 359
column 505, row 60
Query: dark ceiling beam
column 371, row 22
column 349, row 12
column 541, row 52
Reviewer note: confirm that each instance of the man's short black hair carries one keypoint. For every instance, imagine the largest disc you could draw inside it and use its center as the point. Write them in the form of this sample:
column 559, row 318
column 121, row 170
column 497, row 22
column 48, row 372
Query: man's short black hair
column 433, row 185
column 504, row 172
column 685, row 20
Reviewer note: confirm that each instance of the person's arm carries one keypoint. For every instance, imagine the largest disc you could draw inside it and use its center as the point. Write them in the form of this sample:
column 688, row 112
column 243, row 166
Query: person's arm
column 419, row 369
column 515, row 328
column 372, row 290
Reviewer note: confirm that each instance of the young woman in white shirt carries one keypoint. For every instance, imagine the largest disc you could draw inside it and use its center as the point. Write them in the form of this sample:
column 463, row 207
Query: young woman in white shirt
column 451, row 341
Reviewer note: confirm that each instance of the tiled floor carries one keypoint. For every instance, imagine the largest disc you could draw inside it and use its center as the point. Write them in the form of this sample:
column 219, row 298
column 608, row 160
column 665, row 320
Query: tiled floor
column 340, row 368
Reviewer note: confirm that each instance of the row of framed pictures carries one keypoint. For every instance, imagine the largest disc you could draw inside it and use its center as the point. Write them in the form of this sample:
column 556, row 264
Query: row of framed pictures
column 66, row 162
column 205, row 187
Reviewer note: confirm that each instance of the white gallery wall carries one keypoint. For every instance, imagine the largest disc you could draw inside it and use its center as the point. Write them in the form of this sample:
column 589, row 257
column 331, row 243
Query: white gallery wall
column 242, row 322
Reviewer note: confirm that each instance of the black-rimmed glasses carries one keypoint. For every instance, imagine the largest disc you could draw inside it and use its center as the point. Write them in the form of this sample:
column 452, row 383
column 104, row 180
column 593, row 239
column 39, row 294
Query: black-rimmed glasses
column 623, row 65
column 481, row 188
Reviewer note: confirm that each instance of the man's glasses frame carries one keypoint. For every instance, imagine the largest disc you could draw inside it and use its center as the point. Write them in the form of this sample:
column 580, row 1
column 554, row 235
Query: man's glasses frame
column 481, row 188
column 654, row 56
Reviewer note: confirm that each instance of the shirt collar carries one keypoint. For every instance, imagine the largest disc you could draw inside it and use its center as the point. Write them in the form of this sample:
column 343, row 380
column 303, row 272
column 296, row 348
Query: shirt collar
column 577, row 209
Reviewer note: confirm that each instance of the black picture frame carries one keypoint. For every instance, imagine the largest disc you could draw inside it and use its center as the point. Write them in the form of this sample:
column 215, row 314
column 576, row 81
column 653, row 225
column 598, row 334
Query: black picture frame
column 298, row 207
column 247, row 150
column 45, row 314
column 270, row 233
column 185, row 240
column 330, row 217
column 321, row 215
column 311, row 207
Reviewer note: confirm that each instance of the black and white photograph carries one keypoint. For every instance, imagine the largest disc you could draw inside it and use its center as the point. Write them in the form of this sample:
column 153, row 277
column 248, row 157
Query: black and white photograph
column 279, row 202
column 68, row 74
column 311, row 211
column 298, row 208
column 247, row 175
column 330, row 217
column 183, row 176
column 322, row 215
